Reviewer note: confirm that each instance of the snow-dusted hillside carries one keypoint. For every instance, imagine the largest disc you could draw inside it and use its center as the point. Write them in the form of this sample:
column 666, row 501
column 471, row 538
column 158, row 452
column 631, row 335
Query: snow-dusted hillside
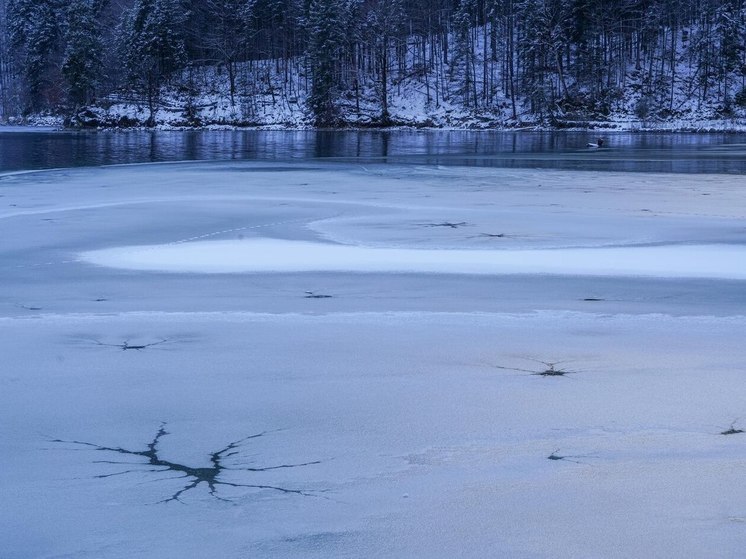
column 275, row 93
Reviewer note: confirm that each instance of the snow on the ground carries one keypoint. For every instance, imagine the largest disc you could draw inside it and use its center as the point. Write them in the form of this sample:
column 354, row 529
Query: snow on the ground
column 329, row 413
column 5, row 129
column 274, row 94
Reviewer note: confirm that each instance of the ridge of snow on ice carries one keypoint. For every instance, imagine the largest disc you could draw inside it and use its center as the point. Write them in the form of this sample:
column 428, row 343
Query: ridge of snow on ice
column 276, row 255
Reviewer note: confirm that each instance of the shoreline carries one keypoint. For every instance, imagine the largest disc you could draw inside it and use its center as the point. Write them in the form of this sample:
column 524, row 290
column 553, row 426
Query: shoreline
column 691, row 127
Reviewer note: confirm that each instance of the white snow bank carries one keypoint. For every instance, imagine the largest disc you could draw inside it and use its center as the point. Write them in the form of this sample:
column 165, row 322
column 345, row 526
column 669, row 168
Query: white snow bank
column 8, row 129
column 274, row 255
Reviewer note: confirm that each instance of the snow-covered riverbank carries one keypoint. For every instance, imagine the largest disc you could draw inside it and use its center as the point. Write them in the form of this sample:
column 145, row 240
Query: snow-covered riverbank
column 107, row 120
column 315, row 407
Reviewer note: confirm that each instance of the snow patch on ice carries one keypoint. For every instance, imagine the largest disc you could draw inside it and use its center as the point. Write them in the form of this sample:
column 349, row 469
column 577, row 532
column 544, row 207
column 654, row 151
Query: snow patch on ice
column 275, row 255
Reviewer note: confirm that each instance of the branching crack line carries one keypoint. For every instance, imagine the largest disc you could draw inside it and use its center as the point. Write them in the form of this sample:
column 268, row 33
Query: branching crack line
column 126, row 345
column 210, row 475
column 732, row 430
column 490, row 236
column 567, row 458
column 314, row 295
column 550, row 370
column 450, row 224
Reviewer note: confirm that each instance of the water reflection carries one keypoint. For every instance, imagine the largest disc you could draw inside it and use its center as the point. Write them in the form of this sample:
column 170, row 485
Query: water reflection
column 657, row 152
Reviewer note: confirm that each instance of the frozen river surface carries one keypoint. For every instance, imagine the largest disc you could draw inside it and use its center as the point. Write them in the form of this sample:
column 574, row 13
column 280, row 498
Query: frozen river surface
column 250, row 359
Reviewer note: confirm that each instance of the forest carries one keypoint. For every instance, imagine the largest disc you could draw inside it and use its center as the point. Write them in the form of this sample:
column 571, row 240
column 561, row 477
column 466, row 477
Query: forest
column 372, row 62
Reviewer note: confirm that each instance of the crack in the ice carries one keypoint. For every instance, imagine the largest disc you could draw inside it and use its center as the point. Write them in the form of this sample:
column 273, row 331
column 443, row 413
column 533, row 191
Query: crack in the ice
column 567, row 458
column 210, row 475
column 314, row 295
column 126, row 345
column 732, row 430
column 450, row 224
column 550, row 370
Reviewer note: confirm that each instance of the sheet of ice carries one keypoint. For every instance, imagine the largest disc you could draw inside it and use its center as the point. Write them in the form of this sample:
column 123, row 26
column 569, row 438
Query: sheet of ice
column 379, row 415
column 426, row 446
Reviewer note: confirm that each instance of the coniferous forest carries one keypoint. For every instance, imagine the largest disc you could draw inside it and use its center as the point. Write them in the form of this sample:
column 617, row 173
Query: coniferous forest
column 372, row 62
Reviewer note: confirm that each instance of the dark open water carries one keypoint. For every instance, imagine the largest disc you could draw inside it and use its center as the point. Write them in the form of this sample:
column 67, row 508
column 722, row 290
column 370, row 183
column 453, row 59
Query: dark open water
column 654, row 152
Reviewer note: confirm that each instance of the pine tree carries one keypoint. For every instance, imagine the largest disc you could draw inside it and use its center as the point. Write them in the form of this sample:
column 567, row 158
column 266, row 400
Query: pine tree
column 152, row 39
column 463, row 63
column 34, row 30
column 385, row 24
column 546, row 27
column 82, row 66
column 326, row 23
column 730, row 31
column 7, row 78
column 227, row 35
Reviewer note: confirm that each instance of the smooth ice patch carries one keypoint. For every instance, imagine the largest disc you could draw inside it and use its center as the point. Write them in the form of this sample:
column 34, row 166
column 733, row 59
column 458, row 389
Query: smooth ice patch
column 274, row 255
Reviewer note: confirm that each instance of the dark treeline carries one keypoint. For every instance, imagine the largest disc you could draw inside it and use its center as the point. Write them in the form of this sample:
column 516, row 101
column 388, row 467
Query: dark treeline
column 551, row 59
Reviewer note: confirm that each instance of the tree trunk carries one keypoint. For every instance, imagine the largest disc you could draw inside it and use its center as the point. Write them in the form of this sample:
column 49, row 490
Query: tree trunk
column 385, row 119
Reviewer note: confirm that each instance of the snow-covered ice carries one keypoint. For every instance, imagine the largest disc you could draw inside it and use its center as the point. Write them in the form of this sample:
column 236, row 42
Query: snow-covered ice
column 272, row 255
column 364, row 376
